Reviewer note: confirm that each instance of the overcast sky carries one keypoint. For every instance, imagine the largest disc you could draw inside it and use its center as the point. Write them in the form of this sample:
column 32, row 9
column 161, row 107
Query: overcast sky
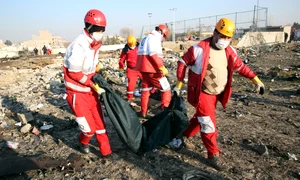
column 20, row 19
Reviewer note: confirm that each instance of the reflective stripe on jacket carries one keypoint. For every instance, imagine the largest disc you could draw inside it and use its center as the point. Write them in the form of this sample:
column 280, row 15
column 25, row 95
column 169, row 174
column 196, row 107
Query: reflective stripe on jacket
column 150, row 57
column 80, row 63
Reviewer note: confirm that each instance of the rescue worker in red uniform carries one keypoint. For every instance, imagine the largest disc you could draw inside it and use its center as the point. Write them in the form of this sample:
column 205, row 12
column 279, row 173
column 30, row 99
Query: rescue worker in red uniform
column 150, row 64
column 80, row 65
column 129, row 55
column 49, row 49
column 211, row 65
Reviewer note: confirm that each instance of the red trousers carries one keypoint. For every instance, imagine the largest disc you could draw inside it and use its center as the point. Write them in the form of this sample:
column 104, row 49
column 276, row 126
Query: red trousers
column 150, row 81
column 132, row 76
column 205, row 121
column 88, row 112
column 49, row 51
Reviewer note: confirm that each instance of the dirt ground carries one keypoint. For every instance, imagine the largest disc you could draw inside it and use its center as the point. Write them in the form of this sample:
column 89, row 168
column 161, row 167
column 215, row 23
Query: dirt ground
column 258, row 135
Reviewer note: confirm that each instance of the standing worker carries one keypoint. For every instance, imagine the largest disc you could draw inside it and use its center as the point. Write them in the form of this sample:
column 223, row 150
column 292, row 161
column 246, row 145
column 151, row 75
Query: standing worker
column 36, row 51
column 44, row 50
column 80, row 66
column 129, row 54
column 211, row 65
column 49, row 49
column 150, row 64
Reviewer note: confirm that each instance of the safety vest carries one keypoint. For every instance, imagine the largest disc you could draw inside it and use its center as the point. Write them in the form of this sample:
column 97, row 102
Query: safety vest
column 196, row 58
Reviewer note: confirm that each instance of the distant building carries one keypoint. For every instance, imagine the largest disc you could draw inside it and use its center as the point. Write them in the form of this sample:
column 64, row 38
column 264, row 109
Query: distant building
column 262, row 35
column 45, row 38
column 117, row 39
column 2, row 44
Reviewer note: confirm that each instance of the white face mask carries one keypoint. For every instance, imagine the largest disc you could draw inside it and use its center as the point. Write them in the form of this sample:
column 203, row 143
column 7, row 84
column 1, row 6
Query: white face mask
column 132, row 47
column 222, row 44
column 97, row 36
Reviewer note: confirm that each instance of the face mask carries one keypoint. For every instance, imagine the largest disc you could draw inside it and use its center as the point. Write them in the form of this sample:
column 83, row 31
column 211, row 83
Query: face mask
column 132, row 47
column 222, row 44
column 97, row 36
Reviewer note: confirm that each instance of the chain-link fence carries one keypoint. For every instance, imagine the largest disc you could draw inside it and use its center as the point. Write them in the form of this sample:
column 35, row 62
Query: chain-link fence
column 200, row 28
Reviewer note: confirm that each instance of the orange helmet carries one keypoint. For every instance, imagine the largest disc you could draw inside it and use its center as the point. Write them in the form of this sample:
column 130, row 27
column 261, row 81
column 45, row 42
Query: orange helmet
column 164, row 29
column 226, row 27
column 95, row 17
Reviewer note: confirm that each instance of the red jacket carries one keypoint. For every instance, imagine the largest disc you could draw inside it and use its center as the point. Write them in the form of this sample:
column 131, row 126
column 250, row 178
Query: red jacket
column 150, row 57
column 130, row 55
column 197, row 58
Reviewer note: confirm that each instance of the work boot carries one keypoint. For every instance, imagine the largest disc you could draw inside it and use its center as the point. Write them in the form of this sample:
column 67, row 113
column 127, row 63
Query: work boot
column 217, row 162
column 144, row 116
column 111, row 156
column 187, row 143
column 157, row 111
column 84, row 148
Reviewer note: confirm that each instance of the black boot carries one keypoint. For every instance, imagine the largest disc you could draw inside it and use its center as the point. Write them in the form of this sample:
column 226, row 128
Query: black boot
column 84, row 148
column 217, row 162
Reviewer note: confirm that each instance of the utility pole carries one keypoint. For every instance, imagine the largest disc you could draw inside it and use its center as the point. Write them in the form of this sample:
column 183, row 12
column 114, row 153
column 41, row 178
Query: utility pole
column 130, row 29
column 150, row 14
column 257, row 13
column 254, row 22
column 173, row 19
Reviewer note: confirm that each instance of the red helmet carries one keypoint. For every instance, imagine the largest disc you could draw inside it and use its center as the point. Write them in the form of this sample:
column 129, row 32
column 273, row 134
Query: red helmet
column 95, row 17
column 164, row 29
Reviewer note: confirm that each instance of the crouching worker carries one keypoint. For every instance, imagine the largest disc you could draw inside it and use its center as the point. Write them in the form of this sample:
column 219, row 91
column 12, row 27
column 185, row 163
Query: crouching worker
column 80, row 66
column 211, row 65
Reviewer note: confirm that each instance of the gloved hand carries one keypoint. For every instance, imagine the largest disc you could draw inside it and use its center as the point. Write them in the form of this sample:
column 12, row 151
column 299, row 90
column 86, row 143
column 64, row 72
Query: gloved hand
column 121, row 72
column 178, row 87
column 97, row 88
column 259, row 86
column 164, row 70
column 98, row 67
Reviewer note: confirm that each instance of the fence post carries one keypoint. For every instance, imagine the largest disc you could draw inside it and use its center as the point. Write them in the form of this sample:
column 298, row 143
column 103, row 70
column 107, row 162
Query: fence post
column 254, row 16
column 199, row 27
column 142, row 32
column 266, row 17
column 235, row 21
column 184, row 30
column 238, row 21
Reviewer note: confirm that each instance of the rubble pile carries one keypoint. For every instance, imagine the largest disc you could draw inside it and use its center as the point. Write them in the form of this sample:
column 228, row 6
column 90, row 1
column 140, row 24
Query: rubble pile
column 257, row 134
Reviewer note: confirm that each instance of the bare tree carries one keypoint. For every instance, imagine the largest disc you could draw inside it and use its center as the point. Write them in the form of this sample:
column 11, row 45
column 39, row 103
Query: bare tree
column 125, row 32
column 8, row 43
